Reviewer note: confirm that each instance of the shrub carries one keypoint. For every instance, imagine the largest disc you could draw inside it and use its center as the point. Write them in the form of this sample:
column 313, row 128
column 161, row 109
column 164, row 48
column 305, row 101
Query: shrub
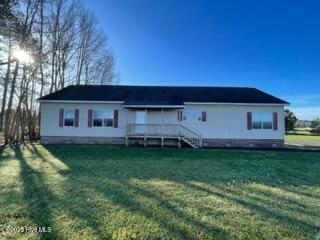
column 315, row 125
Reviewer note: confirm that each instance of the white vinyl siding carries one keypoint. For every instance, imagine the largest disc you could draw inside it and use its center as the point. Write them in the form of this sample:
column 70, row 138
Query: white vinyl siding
column 223, row 121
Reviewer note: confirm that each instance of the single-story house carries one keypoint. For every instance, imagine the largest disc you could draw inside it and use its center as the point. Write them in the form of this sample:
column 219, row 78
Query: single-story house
column 161, row 115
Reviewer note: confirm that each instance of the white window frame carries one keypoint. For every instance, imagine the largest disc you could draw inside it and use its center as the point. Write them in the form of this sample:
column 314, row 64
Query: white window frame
column 263, row 119
column 103, row 126
column 184, row 115
column 64, row 117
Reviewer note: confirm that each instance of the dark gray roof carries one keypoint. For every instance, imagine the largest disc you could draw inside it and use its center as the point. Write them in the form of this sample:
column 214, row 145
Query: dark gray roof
column 162, row 94
column 154, row 103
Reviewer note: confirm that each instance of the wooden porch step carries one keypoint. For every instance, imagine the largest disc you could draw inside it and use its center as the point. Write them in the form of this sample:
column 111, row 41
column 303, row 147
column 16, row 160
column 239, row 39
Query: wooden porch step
column 189, row 143
column 162, row 132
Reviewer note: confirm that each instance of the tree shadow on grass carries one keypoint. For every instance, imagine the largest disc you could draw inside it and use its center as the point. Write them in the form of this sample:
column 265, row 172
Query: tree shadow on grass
column 4, row 156
column 119, row 195
column 179, row 224
column 270, row 168
column 264, row 196
column 34, row 149
column 37, row 196
column 303, row 193
column 2, row 150
column 255, row 206
column 41, row 201
column 121, row 165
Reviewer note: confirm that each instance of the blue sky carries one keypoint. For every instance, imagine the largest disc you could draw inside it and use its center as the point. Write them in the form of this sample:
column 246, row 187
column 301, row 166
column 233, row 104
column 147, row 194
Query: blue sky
column 271, row 45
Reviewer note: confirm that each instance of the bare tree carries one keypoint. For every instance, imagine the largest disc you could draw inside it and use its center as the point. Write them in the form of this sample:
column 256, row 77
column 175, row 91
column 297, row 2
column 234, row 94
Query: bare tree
column 58, row 35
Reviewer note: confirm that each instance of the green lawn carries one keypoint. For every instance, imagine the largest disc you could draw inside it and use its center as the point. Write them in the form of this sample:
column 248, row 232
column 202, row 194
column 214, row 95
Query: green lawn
column 101, row 192
column 303, row 140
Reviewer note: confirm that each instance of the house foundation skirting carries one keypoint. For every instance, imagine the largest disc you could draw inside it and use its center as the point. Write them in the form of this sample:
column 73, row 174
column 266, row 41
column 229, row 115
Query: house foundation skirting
column 206, row 142
column 82, row 140
column 105, row 140
column 243, row 143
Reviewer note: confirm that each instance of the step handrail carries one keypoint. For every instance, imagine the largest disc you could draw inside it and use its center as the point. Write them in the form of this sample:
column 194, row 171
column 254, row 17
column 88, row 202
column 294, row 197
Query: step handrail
column 191, row 136
column 189, row 130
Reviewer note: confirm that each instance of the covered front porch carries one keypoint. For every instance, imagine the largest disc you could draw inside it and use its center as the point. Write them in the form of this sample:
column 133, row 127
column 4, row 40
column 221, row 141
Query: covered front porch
column 159, row 124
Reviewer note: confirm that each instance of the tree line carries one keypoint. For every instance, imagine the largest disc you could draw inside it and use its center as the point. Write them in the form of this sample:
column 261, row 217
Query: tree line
column 46, row 45
column 292, row 122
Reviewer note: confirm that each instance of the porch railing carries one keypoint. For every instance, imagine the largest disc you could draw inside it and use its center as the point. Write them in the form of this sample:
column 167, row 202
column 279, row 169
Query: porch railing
column 153, row 129
column 165, row 130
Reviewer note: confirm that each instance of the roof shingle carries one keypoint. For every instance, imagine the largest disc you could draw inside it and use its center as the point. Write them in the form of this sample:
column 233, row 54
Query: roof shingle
column 149, row 94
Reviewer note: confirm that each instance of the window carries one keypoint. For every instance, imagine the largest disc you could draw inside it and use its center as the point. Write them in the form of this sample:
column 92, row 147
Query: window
column 192, row 116
column 68, row 118
column 262, row 120
column 102, row 118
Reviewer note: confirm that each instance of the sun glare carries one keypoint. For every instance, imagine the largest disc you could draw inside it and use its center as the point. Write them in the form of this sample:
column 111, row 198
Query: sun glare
column 22, row 56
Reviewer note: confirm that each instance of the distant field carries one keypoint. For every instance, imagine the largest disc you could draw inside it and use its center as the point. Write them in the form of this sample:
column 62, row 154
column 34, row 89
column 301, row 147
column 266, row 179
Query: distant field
column 304, row 131
column 303, row 140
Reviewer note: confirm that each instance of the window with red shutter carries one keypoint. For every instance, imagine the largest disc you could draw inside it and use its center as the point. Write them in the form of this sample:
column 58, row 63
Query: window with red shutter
column 204, row 116
column 61, row 117
column 275, row 121
column 90, row 118
column 76, row 118
column 115, row 118
column 249, row 120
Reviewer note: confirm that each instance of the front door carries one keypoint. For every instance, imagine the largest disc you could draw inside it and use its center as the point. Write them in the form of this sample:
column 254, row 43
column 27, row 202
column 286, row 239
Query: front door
column 140, row 121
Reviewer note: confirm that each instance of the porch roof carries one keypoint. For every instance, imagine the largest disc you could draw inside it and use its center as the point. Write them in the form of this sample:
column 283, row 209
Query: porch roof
column 153, row 104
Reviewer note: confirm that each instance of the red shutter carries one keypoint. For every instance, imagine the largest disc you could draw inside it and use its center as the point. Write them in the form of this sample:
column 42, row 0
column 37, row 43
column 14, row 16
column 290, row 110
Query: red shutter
column 61, row 112
column 204, row 116
column 249, row 120
column 76, row 118
column 115, row 118
column 90, row 118
column 275, row 121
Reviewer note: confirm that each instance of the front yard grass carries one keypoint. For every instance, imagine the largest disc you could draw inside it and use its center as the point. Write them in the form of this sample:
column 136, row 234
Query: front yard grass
column 101, row 192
